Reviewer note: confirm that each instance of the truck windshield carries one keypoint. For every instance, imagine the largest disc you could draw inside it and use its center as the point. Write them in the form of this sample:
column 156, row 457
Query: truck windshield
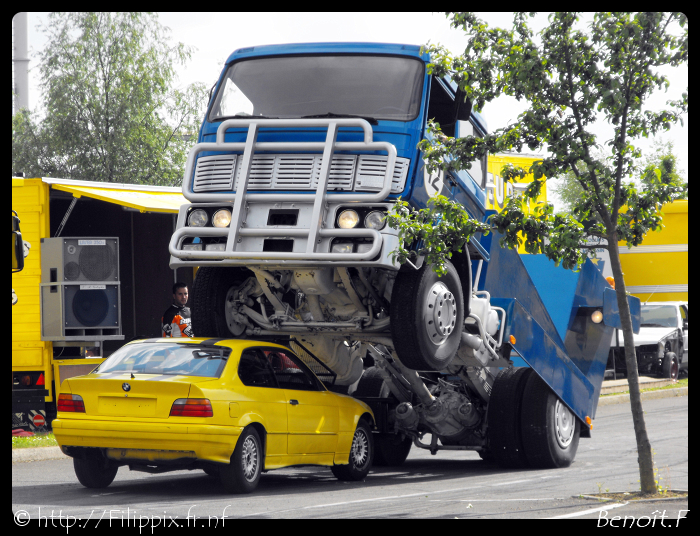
column 376, row 87
column 659, row 316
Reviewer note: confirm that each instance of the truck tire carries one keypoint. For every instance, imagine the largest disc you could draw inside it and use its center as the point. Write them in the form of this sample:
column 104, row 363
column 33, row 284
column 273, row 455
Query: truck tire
column 242, row 475
column 503, row 413
column 94, row 471
column 550, row 430
column 427, row 315
column 209, row 292
column 389, row 449
column 361, row 455
column 669, row 367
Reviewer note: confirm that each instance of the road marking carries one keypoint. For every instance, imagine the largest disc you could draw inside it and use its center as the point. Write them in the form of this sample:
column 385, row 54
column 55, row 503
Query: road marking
column 512, row 482
column 591, row 511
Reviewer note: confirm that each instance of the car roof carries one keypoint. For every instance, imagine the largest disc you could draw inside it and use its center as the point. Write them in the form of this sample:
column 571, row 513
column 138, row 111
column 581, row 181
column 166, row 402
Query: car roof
column 235, row 344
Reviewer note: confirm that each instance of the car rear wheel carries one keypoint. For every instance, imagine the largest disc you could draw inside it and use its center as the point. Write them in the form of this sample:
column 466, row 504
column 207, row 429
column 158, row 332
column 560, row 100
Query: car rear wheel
column 361, row 455
column 242, row 475
column 95, row 471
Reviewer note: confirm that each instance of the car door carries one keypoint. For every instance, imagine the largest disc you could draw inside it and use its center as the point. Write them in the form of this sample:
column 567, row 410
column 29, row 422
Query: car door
column 684, row 327
column 312, row 411
column 261, row 396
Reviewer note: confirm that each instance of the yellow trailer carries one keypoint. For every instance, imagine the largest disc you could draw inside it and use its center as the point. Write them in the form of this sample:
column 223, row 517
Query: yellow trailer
column 658, row 269
column 142, row 219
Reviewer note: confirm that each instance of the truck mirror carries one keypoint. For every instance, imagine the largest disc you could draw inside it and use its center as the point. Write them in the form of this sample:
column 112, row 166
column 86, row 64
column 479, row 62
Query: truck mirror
column 464, row 108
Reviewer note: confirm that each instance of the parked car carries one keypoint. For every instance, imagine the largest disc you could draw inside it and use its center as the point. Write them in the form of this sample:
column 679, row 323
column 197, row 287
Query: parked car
column 232, row 408
column 662, row 343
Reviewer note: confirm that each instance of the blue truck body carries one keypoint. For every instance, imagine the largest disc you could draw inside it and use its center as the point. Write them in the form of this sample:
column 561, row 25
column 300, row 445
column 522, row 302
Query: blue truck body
column 547, row 310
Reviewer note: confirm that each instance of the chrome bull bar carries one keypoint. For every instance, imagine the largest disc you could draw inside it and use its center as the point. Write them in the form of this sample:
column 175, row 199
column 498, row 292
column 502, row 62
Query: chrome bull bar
column 321, row 199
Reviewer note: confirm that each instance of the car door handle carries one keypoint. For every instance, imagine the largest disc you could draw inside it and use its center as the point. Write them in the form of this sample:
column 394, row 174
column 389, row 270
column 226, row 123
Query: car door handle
column 294, row 402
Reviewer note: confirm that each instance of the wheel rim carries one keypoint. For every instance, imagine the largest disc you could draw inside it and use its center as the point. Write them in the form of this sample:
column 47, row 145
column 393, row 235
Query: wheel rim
column 249, row 458
column 359, row 453
column 564, row 424
column 440, row 313
column 231, row 312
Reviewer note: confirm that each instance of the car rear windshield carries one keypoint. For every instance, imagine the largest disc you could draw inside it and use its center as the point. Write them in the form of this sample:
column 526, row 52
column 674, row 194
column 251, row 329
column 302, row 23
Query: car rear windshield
column 167, row 358
column 375, row 87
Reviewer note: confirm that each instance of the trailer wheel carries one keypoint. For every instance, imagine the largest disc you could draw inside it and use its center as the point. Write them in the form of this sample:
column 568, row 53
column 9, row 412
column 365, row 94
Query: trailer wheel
column 550, row 430
column 361, row 455
column 212, row 292
column 95, row 471
column 505, row 440
column 669, row 367
column 427, row 314
column 389, row 449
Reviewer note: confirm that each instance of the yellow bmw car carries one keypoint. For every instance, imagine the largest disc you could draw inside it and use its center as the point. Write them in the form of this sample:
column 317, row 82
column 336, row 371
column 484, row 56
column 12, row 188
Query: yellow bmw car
column 233, row 408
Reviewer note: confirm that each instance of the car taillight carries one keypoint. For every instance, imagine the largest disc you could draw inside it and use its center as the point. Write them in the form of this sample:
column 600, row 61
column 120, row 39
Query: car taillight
column 71, row 403
column 40, row 381
column 191, row 407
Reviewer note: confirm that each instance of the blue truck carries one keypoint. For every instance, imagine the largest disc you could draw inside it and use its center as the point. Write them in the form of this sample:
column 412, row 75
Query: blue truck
column 303, row 150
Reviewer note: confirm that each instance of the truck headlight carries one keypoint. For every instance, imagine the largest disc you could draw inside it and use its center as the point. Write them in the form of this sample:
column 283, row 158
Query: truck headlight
column 348, row 219
column 198, row 218
column 342, row 248
column 661, row 350
column 222, row 218
column 375, row 220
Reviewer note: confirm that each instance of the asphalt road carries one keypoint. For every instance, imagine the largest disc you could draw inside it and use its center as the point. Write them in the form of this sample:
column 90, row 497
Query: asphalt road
column 451, row 484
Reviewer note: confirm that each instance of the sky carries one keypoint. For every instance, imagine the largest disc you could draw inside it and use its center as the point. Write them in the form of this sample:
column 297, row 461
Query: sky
column 216, row 35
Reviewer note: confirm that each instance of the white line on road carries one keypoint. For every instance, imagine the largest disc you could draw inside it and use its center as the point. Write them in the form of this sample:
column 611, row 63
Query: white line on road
column 591, row 511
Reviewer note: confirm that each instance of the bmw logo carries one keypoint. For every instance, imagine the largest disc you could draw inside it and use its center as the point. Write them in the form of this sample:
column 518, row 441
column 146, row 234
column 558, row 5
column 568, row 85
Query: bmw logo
column 126, row 386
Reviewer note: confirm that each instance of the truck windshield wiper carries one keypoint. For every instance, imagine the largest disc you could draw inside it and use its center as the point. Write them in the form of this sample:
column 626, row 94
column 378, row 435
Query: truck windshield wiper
column 370, row 120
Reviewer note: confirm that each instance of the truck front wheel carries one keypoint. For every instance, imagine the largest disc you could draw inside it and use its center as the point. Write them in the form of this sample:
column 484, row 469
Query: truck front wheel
column 212, row 300
column 550, row 430
column 427, row 315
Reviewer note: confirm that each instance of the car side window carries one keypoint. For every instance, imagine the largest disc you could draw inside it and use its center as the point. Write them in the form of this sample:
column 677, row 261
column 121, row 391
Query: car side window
column 290, row 371
column 254, row 370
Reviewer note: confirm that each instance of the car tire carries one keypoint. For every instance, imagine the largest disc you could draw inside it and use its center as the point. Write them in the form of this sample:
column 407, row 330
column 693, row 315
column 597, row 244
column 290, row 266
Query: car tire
column 550, row 431
column 361, row 455
column 95, row 471
column 427, row 315
column 242, row 475
column 504, row 413
column 211, row 291
column 670, row 366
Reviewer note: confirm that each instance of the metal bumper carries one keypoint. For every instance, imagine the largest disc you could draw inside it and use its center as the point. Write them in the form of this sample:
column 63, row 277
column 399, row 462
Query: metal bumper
column 316, row 231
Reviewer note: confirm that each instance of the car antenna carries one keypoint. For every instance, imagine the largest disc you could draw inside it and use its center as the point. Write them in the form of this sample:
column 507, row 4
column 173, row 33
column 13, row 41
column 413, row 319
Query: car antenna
column 132, row 376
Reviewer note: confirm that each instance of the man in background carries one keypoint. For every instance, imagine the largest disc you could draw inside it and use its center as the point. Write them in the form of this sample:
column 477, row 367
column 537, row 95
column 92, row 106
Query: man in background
column 176, row 321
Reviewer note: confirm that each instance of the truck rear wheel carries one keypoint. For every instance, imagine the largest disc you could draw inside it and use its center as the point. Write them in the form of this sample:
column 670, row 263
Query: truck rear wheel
column 212, row 292
column 427, row 315
column 550, row 430
column 504, row 429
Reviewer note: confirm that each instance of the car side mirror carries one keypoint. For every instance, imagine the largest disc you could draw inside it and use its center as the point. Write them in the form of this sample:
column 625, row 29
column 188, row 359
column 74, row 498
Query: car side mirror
column 685, row 324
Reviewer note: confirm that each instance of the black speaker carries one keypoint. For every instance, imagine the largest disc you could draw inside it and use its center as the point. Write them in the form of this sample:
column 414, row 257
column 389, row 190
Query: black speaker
column 80, row 289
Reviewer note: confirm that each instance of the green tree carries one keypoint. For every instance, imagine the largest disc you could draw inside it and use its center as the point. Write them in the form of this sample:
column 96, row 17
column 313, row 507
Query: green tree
column 112, row 111
column 571, row 79
column 660, row 159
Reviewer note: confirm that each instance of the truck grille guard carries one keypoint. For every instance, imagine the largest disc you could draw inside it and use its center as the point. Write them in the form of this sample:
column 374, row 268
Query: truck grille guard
column 321, row 198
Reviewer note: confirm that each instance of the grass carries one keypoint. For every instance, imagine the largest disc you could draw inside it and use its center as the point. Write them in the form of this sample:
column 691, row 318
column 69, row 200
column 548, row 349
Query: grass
column 38, row 440
column 683, row 382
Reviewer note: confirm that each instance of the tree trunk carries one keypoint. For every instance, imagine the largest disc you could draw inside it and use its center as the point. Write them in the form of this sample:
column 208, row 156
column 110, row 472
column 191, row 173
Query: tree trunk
column 645, row 458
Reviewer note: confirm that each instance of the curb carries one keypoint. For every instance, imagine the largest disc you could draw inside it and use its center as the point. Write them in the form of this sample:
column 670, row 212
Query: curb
column 36, row 454
column 647, row 395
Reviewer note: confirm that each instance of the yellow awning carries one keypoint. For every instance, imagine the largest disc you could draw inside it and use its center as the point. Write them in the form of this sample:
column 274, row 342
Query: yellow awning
column 143, row 200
